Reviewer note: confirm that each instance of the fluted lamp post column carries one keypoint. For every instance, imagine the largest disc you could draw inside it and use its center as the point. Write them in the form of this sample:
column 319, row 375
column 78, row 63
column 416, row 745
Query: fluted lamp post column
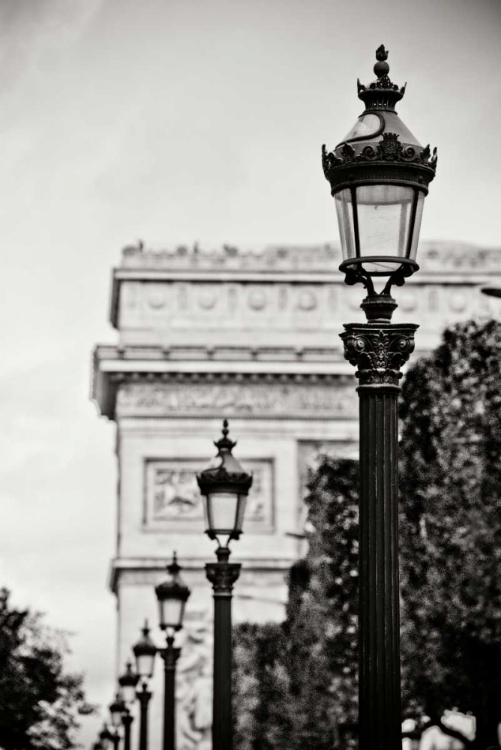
column 379, row 176
column 144, row 653
column 172, row 596
column 224, row 486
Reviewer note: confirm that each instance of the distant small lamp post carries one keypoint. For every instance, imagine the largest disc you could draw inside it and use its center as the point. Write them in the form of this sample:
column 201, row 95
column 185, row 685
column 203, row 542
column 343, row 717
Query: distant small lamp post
column 144, row 653
column 224, row 486
column 379, row 176
column 109, row 739
column 172, row 596
column 128, row 681
column 120, row 715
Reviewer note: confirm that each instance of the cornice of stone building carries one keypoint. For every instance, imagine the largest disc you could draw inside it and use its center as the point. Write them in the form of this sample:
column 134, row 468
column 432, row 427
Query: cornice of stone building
column 440, row 261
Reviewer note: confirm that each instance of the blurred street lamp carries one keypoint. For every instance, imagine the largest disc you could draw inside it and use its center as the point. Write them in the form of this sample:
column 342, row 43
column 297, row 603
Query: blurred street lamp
column 224, row 486
column 128, row 682
column 172, row 596
column 109, row 739
column 144, row 652
column 379, row 176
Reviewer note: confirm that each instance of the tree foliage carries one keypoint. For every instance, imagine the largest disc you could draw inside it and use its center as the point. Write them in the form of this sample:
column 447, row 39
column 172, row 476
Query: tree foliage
column 39, row 700
column 303, row 673
column 451, row 528
column 296, row 682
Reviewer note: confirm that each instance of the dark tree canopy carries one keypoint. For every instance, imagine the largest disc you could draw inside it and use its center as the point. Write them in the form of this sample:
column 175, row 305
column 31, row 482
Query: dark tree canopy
column 296, row 682
column 39, row 700
column 450, row 491
column 304, row 673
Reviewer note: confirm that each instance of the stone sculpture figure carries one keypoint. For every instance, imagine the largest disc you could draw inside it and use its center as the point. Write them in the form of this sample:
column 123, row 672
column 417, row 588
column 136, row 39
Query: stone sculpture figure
column 194, row 689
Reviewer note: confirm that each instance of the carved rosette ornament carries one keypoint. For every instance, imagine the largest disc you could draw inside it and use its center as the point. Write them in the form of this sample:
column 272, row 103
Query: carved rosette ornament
column 378, row 352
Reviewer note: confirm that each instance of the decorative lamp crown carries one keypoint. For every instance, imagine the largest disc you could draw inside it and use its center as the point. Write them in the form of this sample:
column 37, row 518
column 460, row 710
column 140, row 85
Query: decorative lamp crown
column 117, row 708
column 128, row 682
column 382, row 93
column 172, row 596
column 379, row 176
column 144, row 653
column 224, row 486
column 224, row 469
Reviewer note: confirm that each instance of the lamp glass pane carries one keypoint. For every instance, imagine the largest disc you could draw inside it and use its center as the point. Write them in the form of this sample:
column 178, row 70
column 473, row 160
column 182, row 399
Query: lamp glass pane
column 129, row 693
column 417, row 225
column 222, row 510
column 384, row 213
column 344, row 209
column 241, row 512
column 171, row 613
column 145, row 664
column 116, row 719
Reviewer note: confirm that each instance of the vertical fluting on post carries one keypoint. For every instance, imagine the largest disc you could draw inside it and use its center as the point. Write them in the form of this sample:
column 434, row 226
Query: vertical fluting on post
column 379, row 350
column 222, row 575
column 170, row 655
column 144, row 696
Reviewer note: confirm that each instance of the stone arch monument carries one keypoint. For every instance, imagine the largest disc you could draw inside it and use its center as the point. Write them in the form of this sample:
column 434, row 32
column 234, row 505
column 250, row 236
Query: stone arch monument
column 251, row 336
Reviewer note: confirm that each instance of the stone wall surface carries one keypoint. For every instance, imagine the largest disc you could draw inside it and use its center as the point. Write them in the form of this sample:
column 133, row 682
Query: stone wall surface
column 250, row 335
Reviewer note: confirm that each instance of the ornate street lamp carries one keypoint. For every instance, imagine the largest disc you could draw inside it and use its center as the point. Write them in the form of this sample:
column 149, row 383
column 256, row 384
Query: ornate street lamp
column 109, row 739
column 121, row 716
column 172, row 596
column 224, row 486
column 144, row 652
column 127, row 681
column 379, row 176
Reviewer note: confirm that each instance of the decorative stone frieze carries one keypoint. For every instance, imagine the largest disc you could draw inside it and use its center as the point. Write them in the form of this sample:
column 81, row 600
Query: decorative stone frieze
column 244, row 398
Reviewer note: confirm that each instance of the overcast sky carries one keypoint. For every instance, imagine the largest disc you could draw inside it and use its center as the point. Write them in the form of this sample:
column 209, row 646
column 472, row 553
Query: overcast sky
column 175, row 121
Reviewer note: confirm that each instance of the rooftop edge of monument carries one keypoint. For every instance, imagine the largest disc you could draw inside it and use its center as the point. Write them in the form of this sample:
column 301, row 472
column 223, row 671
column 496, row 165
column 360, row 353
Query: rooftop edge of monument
column 308, row 258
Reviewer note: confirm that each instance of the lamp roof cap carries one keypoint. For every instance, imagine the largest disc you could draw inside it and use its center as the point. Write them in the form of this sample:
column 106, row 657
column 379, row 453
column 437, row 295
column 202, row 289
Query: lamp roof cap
column 381, row 93
column 145, row 645
column 173, row 587
column 225, row 473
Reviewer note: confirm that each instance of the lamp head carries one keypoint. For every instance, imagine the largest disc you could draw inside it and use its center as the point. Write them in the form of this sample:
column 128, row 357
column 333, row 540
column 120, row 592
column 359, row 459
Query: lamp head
column 379, row 176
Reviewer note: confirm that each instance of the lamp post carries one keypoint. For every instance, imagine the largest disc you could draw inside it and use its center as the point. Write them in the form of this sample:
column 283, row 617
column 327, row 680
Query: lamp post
column 128, row 682
column 121, row 716
column 144, row 653
column 379, row 176
column 224, row 486
column 172, row 596
column 109, row 739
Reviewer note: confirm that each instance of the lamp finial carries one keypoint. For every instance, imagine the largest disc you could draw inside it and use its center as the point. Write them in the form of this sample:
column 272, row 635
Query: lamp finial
column 381, row 68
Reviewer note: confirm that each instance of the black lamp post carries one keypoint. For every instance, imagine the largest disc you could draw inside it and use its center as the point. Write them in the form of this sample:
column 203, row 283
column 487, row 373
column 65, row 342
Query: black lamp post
column 144, row 652
column 224, row 486
column 128, row 682
column 172, row 596
column 379, row 176
column 109, row 739
column 120, row 715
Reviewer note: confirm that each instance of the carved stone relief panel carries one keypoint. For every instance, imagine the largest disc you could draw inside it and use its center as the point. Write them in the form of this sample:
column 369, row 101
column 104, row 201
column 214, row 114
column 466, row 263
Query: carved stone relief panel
column 194, row 683
column 172, row 501
column 261, row 399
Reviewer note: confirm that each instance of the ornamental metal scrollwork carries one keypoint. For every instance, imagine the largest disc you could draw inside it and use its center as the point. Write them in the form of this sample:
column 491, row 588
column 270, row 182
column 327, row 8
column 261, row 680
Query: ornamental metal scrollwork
column 387, row 149
column 378, row 353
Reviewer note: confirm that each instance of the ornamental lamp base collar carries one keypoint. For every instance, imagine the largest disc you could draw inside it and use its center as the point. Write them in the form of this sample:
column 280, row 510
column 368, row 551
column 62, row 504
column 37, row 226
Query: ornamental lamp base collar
column 378, row 308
